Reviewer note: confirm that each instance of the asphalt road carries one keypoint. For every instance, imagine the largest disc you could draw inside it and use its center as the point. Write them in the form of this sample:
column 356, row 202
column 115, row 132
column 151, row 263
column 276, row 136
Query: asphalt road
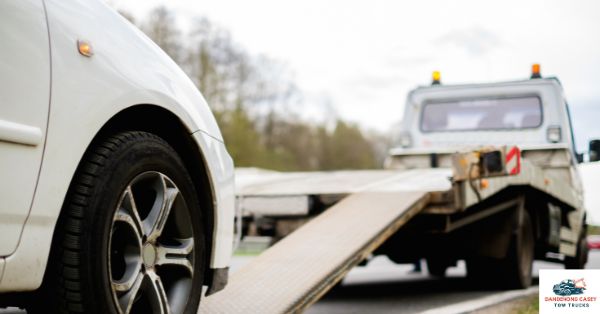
column 385, row 287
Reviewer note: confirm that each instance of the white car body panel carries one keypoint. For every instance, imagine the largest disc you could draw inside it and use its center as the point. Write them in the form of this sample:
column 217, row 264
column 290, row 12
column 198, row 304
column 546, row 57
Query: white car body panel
column 1, row 268
column 222, row 176
column 25, row 59
column 126, row 69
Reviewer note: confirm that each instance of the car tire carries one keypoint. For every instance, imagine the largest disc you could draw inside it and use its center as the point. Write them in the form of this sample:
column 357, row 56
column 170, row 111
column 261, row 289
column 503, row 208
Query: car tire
column 131, row 237
column 580, row 259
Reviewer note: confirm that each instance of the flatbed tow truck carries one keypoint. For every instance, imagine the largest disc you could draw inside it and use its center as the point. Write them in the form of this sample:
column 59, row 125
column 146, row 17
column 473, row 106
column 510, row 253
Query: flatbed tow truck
column 483, row 172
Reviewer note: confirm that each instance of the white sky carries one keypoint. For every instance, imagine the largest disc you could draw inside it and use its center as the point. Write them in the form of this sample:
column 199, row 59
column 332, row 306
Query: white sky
column 364, row 56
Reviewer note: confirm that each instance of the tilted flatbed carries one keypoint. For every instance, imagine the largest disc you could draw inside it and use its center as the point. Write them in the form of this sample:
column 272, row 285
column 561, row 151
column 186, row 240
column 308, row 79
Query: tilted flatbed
column 368, row 208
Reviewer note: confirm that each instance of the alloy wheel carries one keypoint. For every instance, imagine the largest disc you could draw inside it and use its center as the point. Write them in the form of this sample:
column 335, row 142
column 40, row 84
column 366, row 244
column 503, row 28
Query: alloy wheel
column 151, row 247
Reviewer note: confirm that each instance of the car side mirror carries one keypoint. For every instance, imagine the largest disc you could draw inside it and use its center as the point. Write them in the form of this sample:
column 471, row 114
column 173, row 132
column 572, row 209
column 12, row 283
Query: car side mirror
column 594, row 150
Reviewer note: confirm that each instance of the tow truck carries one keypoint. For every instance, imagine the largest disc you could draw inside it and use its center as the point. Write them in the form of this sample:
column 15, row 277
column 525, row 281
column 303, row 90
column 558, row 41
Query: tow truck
column 567, row 287
column 486, row 173
column 502, row 222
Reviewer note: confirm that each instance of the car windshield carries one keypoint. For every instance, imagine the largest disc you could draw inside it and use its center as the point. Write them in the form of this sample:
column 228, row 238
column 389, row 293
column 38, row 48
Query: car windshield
column 482, row 114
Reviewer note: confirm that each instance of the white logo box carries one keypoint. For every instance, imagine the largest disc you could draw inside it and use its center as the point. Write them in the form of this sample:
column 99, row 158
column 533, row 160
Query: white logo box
column 578, row 291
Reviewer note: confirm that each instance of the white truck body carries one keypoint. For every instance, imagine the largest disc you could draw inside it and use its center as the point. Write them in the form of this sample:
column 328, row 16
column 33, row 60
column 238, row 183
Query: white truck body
column 553, row 113
column 535, row 118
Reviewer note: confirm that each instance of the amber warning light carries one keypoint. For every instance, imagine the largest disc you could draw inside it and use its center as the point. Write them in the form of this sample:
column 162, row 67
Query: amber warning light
column 535, row 71
column 436, row 78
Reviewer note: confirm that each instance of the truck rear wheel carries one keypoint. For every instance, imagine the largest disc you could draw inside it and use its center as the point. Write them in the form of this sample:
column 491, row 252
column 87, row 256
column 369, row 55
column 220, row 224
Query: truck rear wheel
column 437, row 267
column 481, row 271
column 512, row 271
column 519, row 260
column 580, row 259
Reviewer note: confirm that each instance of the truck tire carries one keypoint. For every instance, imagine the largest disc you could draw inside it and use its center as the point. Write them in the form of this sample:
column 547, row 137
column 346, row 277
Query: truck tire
column 512, row 271
column 518, row 263
column 580, row 259
column 480, row 271
column 437, row 267
column 130, row 238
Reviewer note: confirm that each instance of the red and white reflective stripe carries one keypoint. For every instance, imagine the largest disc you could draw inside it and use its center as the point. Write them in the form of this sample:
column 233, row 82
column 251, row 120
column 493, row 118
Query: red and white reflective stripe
column 513, row 160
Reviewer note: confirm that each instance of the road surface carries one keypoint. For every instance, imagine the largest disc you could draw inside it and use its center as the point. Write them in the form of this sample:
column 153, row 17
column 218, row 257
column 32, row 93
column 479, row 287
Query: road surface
column 385, row 287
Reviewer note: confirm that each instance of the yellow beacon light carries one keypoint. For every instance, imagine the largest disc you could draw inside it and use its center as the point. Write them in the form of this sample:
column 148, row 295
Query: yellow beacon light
column 436, row 78
column 535, row 71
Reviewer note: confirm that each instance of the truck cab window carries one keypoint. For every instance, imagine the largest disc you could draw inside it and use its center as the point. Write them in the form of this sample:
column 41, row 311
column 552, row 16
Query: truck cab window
column 482, row 114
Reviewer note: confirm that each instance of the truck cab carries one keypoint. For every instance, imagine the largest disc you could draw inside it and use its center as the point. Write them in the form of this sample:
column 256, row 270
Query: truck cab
column 438, row 119
column 533, row 115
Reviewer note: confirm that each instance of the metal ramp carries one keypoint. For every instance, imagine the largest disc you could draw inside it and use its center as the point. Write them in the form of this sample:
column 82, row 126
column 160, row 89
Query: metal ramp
column 299, row 269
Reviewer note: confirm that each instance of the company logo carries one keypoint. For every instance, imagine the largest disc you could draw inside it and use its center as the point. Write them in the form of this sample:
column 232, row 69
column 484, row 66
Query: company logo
column 568, row 287
column 569, row 291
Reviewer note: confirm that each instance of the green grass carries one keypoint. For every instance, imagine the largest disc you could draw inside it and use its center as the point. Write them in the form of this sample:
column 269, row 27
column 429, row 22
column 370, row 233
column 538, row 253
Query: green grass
column 247, row 253
column 532, row 307
column 593, row 229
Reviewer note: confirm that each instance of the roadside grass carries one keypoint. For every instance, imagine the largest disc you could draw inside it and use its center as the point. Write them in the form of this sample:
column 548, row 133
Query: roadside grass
column 252, row 246
column 247, row 253
column 593, row 230
column 531, row 307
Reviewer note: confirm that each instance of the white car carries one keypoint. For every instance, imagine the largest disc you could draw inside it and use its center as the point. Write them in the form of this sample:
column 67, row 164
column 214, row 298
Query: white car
column 116, row 190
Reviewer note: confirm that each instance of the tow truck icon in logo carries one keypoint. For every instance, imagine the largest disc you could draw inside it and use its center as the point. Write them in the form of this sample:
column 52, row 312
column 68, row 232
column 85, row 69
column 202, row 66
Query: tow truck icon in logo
column 569, row 286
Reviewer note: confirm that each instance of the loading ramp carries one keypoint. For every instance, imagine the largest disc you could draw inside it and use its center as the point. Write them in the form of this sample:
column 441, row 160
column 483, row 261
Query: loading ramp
column 295, row 272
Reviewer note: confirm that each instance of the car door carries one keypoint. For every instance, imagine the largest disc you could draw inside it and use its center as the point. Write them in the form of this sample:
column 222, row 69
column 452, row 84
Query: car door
column 24, row 105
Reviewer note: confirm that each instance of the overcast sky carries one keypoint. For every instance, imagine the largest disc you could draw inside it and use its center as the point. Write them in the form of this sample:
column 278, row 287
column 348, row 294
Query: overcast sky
column 366, row 55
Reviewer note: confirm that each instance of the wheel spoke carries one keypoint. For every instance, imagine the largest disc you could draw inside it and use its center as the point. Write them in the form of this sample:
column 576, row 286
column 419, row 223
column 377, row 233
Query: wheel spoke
column 177, row 255
column 127, row 212
column 158, row 296
column 157, row 218
column 131, row 290
column 128, row 281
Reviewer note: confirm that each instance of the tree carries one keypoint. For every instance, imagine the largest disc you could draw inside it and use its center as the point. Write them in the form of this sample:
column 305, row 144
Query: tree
column 349, row 149
column 249, row 95
column 160, row 26
column 241, row 138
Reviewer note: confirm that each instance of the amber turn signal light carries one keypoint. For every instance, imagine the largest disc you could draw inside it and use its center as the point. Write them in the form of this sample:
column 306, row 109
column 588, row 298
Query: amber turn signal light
column 84, row 48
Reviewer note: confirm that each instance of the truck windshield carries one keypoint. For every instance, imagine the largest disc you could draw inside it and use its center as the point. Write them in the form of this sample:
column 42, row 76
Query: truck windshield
column 482, row 114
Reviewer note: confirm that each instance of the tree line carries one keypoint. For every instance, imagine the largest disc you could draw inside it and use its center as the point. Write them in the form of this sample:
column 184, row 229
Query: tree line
column 251, row 96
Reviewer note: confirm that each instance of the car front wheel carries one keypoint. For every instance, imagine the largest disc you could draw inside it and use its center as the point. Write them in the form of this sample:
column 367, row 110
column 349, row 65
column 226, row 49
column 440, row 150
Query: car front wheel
column 131, row 237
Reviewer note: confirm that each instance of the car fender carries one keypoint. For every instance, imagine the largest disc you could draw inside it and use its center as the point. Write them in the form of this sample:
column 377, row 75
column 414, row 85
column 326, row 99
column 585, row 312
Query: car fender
column 122, row 72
